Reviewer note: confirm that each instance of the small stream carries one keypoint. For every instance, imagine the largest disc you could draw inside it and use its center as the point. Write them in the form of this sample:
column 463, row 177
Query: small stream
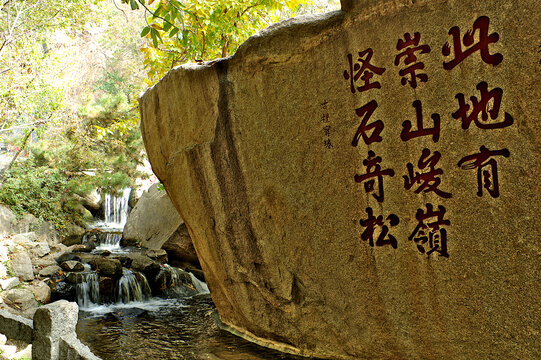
column 135, row 326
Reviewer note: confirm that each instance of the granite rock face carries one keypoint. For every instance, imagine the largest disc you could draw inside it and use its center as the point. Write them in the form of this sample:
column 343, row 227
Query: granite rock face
column 363, row 184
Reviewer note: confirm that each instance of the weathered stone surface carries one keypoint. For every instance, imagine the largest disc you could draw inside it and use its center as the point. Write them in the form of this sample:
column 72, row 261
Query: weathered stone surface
column 144, row 264
column 22, row 299
column 22, row 266
column 49, row 270
column 158, row 255
column 7, row 217
column 74, row 235
column 15, row 327
column 152, row 221
column 10, row 283
column 259, row 154
column 72, row 265
column 41, row 291
column 180, row 248
column 106, row 266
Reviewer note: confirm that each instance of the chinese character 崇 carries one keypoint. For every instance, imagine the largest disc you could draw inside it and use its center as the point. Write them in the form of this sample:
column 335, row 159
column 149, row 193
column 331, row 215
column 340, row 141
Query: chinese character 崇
column 481, row 26
column 411, row 46
column 373, row 170
column 384, row 237
column 431, row 236
column 487, row 169
column 365, row 71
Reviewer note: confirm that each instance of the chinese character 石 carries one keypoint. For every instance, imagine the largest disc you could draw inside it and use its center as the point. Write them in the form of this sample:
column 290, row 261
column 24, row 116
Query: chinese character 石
column 384, row 237
column 481, row 107
column 481, row 26
column 431, row 235
column 487, row 169
column 365, row 71
column 411, row 46
column 429, row 180
column 373, row 170
column 365, row 112
column 407, row 134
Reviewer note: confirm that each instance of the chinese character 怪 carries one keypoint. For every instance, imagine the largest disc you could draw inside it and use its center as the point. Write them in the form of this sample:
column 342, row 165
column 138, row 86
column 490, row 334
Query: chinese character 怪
column 481, row 26
column 431, row 235
column 481, row 107
column 411, row 46
column 487, row 169
column 373, row 170
column 365, row 71
column 365, row 112
column 407, row 134
column 370, row 225
column 428, row 180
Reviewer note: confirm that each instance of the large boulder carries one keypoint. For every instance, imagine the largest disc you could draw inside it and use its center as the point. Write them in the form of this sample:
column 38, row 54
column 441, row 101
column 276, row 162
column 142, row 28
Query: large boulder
column 22, row 266
column 7, row 218
column 363, row 184
column 180, row 248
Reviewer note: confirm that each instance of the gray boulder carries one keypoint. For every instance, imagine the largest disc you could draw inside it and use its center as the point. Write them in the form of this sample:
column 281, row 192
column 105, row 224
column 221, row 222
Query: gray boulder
column 22, row 299
column 49, row 271
column 22, row 266
column 107, row 267
column 7, row 217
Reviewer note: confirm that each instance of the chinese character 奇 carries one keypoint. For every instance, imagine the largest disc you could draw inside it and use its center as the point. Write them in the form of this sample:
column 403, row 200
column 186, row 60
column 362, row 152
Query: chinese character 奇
column 373, row 170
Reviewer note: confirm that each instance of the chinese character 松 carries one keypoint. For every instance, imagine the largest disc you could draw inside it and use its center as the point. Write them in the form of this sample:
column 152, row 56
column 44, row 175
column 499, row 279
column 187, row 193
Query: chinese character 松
column 384, row 237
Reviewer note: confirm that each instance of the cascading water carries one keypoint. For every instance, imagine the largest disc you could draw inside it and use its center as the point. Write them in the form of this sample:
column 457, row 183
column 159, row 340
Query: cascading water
column 88, row 290
column 132, row 287
column 200, row 286
column 116, row 209
column 109, row 241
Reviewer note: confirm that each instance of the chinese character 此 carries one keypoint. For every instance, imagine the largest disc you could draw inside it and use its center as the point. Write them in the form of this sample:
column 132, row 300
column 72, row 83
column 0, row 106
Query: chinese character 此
column 428, row 180
column 481, row 107
column 407, row 134
column 480, row 25
column 384, row 237
column 411, row 46
column 365, row 71
column 487, row 169
column 373, row 170
column 365, row 112
column 431, row 236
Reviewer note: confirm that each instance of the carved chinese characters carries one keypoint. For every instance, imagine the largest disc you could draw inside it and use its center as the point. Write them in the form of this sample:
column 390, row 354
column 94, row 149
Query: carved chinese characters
column 425, row 176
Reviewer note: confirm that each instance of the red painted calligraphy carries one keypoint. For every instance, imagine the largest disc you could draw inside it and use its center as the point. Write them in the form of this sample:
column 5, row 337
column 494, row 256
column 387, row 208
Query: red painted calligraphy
column 429, row 234
column 365, row 112
column 407, row 134
column 384, row 237
column 374, row 171
column 411, row 46
column 481, row 27
column 487, row 169
column 428, row 179
column 365, row 71
column 480, row 107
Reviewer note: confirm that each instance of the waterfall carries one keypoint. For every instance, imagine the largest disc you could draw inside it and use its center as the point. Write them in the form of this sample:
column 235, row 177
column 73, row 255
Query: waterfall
column 116, row 209
column 88, row 290
column 109, row 241
column 132, row 287
column 200, row 286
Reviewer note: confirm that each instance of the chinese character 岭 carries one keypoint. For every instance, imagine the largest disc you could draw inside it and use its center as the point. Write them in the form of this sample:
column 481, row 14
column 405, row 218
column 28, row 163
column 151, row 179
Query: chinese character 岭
column 384, row 237
column 373, row 170
column 411, row 46
column 487, row 169
column 481, row 26
column 430, row 236
column 365, row 71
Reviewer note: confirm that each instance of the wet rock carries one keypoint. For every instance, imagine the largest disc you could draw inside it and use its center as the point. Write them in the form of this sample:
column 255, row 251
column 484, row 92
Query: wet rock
column 107, row 289
column 22, row 266
column 92, row 201
column 72, row 265
column 107, row 267
column 180, row 249
column 50, row 270
column 158, row 255
column 62, row 290
column 144, row 264
column 68, row 256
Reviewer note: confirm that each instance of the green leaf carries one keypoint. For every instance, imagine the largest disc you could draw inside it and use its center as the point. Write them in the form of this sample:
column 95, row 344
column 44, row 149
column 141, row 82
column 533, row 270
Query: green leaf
column 173, row 32
column 134, row 5
column 145, row 31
